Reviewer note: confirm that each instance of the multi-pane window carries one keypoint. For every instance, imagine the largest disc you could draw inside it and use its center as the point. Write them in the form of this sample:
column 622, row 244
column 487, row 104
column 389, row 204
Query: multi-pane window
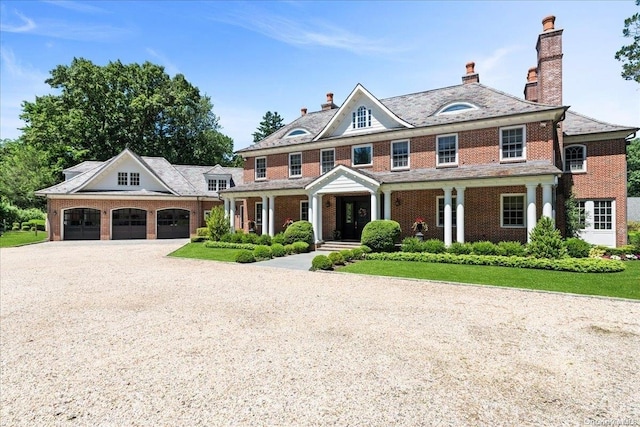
column 134, row 178
column 123, row 178
column 222, row 184
column 211, row 185
column 261, row 167
column 513, row 210
column 361, row 118
column 327, row 160
column 362, row 155
column 440, row 213
column 400, row 154
column 602, row 214
column 216, row 184
column 258, row 213
column 575, row 158
column 304, row 210
column 512, row 143
column 447, row 150
column 295, row 164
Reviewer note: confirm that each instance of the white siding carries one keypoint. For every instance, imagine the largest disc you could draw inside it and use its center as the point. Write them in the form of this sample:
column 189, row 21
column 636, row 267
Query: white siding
column 109, row 178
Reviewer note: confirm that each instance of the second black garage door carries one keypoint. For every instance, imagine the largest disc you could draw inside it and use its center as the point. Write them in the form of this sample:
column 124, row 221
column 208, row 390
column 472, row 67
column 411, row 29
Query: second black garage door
column 129, row 224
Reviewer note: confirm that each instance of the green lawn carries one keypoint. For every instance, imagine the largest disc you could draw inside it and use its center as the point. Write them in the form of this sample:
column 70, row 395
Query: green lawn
column 623, row 285
column 17, row 238
column 198, row 251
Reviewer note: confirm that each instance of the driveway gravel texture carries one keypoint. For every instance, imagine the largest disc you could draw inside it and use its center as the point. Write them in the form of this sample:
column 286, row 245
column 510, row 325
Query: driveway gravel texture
column 119, row 334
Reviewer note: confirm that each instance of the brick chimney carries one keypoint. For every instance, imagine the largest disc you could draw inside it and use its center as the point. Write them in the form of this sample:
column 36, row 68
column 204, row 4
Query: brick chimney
column 329, row 105
column 303, row 111
column 531, row 87
column 549, row 49
column 471, row 76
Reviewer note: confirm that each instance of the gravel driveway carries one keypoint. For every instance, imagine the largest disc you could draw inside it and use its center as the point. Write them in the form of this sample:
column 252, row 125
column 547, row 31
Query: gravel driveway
column 115, row 333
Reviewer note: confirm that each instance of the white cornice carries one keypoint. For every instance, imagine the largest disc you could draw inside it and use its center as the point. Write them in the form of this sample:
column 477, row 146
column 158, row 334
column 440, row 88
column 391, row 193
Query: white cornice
column 601, row 136
column 85, row 196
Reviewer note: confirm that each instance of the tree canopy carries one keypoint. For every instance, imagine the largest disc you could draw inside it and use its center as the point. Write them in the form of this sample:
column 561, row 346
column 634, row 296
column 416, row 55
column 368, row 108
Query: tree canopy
column 100, row 110
column 630, row 54
column 270, row 123
column 633, row 168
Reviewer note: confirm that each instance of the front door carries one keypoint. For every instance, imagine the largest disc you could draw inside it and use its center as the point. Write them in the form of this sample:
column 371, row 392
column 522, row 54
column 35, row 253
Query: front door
column 356, row 213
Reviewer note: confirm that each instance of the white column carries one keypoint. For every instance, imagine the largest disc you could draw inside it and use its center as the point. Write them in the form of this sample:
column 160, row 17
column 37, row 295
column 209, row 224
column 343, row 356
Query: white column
column 232, row 214
column 387, row 204
column 447, row 216
column 460, row 214
column 531, row 208
column 314, row 215
column 264, row 225
column 272, row 229
column 374, row 206
column 226, row 207
column 547, row 197
column 310, row 209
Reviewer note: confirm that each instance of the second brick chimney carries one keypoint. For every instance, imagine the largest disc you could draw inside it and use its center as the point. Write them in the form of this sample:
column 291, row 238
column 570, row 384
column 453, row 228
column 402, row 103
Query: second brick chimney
column 531, row 87
column 549, row 68
column 329, row 105
column 471, row 76
column 303, row 111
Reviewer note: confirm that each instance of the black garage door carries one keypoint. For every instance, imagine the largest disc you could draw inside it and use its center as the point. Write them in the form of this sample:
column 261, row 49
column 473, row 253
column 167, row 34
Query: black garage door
column 129, row 224
column 82, row 224
column 173, row 224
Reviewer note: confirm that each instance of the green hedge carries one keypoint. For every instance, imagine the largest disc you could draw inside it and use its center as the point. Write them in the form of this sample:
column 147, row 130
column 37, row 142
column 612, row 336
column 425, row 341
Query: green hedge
column 245, row 256
column 565, row 264
column 229, row 245
column 321, row 262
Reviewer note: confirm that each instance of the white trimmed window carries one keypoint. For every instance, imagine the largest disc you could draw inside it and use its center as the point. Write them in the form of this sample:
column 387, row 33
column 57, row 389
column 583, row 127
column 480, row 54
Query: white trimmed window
column 447, row 150
column 327, row 160
column 217, row 184
column 575, row 158
column 512, row 211
column 222, row 184
column 261, row 168
column 258, row 216
column 602, row 215
column 295, row 164
column 362, row 155
column 513, row 144
column 134, row 178
column 297, row 132
column 361, row 118
column 211, row 185
column 456, row 107
column 123, row 178
column 440, row 212
column 304, row 210
column 399, row 154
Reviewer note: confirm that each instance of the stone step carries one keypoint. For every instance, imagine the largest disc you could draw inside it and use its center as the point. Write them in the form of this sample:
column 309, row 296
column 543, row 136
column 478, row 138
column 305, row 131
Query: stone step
column 337, row 246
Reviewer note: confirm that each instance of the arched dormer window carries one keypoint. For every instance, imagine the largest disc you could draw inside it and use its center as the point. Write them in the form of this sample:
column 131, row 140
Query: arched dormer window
column 297, row 132
column 361, row 118
column 456, row 107
column 575, row 158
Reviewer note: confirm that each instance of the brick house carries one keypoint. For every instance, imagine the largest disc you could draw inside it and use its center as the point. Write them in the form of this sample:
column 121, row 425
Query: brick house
column 133, row 197
column 474, row 162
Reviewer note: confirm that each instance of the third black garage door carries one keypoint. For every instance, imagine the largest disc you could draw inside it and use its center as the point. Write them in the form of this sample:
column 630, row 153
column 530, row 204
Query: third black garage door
column 129, row 224
column 173, row 224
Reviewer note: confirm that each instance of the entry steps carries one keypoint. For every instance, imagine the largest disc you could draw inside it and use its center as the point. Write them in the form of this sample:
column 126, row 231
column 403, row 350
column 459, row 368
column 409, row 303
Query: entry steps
column 337, row 245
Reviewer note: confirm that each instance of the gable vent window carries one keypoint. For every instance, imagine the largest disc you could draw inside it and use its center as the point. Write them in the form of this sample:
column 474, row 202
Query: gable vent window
column 123, row 178
column 361, row 118
column 457, row 107
column 296, row 132
column 134, row 178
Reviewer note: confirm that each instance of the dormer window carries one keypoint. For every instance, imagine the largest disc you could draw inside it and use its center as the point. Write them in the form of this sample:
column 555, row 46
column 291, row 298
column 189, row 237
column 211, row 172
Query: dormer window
column 297, row 132
column 361, row 118
column 456, row 107
column 216, row 185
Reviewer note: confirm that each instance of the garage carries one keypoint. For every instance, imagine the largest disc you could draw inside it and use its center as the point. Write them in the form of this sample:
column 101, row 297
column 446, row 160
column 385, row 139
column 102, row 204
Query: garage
column 128, row 223
column 82, row 224
column 173, row 224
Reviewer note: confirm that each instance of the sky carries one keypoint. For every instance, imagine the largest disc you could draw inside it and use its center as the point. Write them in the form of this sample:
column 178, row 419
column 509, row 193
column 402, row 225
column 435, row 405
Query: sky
column 254, row 57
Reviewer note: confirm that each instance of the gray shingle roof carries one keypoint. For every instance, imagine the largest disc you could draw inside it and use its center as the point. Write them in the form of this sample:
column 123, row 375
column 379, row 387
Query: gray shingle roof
column 276, row 184
column 579, row 124
column 83, row 167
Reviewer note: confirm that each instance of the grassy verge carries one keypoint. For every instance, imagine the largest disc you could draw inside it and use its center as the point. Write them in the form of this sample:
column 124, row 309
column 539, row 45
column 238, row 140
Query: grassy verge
column 198, row 251
column 625, row 284
column 17, row 238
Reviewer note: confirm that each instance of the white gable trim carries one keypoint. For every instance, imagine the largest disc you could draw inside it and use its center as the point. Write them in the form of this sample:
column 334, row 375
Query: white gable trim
column 346, row 107
column 107, row 165
column 341, row 179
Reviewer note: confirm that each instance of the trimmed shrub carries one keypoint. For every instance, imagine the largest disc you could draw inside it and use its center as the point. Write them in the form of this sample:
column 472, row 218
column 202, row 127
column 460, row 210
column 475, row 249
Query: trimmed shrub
column 226, row 237
column 346, row 254
column 433, row 246
column 634, row 240
column 245, row 256
column 299, row 231
column 546, row 241
column 289, row 249
column 262, row 252
column 597, row 252
column 198, row 239
column 365, row 249
column 16, row 226
column 237, row 236
column 37, row 223
column 357, row 253
column 411, row 244
column 217, row 223
column 278, row 250
column 484, row 248
column 336, row 258
column 228, row 245
column 250, row 238
column 202, row 232
column 321, row 262
column 381, row 235
column 458, row 248
column 511, row 249
column 278, row 238
column 633, row 226
column 264, row 239
column 577, row 248
column 621, row 251
column 25, row 226
column 300, row 247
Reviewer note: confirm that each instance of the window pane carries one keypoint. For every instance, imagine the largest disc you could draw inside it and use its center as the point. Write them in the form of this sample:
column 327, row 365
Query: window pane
column 304, row 211
column 441, row 211
column 295, row 164
column 362, row 155
column 327, row 160
column 602, row 215
column 134, row 178
column 400, row 155
column 122, row 178
column 512, row 143
column 261, row 167
column 447, row 149
column 258, row 213
column 222, row 184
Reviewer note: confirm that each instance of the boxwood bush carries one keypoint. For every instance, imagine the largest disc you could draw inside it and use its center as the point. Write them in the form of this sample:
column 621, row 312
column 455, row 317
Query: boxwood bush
column 228, row 245
column 300, row 247
column 577, row 248
column 336, row 258
column 202, row 232
column 484, row 248
column 289, row 249
column 433, row 246
column 278, row 238
column 264, row 239
column 321, row 262
column 278, row 250
column 245, row 256
column 347, row 254
column 357, row 253
column 460, row 248
column 511, row 249
column 381, row 235
column 411, row 244
column 262, row 252
column 250, row 238
column 299, row 231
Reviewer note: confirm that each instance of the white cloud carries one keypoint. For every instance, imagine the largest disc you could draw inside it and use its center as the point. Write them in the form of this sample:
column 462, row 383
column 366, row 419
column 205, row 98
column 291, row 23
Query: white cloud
column 24, row 26
column 169, row 66
column 76, row 6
